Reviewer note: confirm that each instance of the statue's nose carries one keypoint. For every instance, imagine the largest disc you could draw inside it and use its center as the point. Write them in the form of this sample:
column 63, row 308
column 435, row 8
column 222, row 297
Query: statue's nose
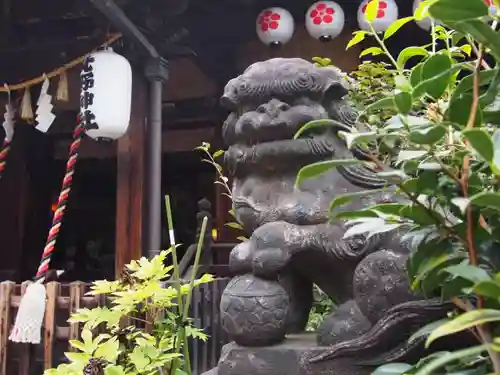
column 273, row 108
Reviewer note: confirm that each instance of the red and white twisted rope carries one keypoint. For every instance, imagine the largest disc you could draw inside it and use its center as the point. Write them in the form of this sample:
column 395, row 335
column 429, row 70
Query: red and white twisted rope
column 3, row 155
column 61, row 203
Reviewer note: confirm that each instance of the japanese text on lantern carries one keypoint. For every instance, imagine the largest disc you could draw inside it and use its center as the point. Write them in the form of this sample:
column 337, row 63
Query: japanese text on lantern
column 87, row 97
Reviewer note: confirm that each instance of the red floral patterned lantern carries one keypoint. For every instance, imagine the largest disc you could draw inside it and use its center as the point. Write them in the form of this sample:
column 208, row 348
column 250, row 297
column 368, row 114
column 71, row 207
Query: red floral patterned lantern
column 492, row 7
column 325, row 20
column 275, row 26
column 387, row 13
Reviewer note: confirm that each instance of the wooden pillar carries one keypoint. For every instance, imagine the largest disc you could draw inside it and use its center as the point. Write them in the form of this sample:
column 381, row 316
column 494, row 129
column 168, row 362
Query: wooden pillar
column 131, row 179
column 37, row 198
column 13, row 198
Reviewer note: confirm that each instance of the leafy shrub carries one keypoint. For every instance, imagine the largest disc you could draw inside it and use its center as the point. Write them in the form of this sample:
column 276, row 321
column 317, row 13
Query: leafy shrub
column 112, row 340
column 444, row 145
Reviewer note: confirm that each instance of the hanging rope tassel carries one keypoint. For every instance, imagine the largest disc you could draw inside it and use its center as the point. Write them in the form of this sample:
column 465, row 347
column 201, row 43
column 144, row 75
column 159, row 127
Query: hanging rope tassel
column 28, row 324
column 3, row 156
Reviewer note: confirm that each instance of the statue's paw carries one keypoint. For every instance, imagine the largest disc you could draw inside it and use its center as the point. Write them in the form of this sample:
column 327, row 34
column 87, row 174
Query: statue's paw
column 232, row 158
column 241, row 258
column 345, row 323
column 269, row 263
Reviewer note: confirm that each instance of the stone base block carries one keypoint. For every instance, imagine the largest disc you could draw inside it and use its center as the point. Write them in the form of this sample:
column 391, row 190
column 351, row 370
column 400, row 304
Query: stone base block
column 288, row 358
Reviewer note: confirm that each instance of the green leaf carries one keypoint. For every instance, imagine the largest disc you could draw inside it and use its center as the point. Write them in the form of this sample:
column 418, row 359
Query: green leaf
column 352, row 139
column 346, row 198
column 114, row 370
column 375, row 51
column 392, row 369
column 467, row 271
column 458, row 11
column 218, row 153
column 409, row 155
column 403, row 102
column 234, row 225
column 402, row 83
column 428, row 136
column 316, row 169
column 77, row 345
column 80, row 358
column 448, row 357
column 410, row 52
column 486, row 200
column 311, row 125
column 384, row 103
column 466, row 83
column 358, row 37
column 491, row 117
column 491, row 94
column 427, row 329
column 416, row 74
column 108, row 350
column 459, row 111
column 488, row 288
column 435, row 76
column 371, row 10
column 495, row 164
column 395, row 26
column 482, row 143
column 394, row 176
column 463, row 322
column 481, row 32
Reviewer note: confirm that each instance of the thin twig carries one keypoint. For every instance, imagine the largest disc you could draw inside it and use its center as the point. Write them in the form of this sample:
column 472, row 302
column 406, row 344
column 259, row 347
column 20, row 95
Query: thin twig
column 466, row 166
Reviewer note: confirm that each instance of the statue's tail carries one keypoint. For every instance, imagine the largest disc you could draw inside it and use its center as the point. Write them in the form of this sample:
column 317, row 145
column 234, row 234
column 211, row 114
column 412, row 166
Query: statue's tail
column 391, row 332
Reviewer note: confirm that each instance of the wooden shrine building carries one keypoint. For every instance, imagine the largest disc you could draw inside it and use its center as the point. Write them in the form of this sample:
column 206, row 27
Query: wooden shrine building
column 205, row 43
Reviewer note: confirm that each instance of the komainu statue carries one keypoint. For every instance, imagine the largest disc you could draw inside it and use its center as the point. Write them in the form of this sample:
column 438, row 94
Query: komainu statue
column 294, row 245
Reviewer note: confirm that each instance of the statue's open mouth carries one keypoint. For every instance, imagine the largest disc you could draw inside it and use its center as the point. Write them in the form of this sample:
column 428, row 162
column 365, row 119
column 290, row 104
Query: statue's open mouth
column 282, row 155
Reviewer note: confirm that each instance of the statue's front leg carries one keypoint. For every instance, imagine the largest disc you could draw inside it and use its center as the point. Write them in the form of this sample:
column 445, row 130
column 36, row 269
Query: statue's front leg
column 269, row 298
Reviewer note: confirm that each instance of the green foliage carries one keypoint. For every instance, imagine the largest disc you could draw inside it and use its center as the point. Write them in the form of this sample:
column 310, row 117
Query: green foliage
column 210, row 158
column 141, row 299
column 322, row 306
column 434, row 136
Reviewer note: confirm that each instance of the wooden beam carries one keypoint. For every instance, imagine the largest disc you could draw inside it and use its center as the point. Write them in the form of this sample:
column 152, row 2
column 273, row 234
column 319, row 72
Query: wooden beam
column 172, row 141
column 131, row 178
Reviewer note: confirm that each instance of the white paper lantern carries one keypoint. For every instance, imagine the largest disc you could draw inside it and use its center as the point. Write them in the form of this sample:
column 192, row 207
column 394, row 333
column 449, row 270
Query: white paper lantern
column 387, row 13
column 275, row 26
column 106, row 94
column 325, row 20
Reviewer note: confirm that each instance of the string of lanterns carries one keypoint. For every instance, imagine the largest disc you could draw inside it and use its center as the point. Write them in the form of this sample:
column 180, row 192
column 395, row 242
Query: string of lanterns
column 325, row 20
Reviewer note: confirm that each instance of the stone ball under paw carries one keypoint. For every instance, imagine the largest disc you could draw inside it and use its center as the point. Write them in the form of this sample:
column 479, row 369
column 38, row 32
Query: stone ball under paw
column 254, row 311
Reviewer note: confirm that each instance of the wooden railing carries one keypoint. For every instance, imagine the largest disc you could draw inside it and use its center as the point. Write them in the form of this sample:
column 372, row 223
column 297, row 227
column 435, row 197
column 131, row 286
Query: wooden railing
column 63, row 299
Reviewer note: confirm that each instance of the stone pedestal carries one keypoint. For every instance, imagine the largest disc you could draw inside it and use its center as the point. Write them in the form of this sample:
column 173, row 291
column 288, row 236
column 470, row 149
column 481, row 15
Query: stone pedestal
column 288, row 358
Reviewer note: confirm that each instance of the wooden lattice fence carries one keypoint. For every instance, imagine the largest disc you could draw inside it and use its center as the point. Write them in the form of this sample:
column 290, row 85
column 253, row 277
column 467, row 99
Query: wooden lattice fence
column 63, row 299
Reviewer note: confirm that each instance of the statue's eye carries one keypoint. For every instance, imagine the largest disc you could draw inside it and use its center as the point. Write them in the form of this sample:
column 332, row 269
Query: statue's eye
column 283, row 107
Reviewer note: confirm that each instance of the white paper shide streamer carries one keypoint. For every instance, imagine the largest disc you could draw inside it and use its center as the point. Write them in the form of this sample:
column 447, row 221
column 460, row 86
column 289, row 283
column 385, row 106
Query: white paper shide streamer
column 8, row 123
column 44, row 115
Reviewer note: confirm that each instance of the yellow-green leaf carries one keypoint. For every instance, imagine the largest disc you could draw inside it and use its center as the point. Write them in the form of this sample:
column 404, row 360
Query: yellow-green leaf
column 422, row 10
column 395, row 26
column 371, row 10
column 410, row 52
column 465, row 321
column 372, row 51
column 357, row 37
